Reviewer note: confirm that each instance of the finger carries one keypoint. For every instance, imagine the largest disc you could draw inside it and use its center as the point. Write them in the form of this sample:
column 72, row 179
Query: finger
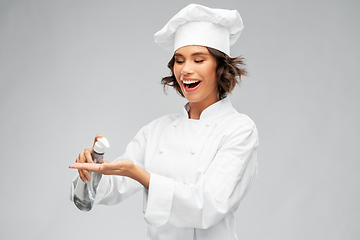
column 88, row 150
column 88, row 157
column 83, row 173
column 87, row 166
column 82, row 157
column 99, row 135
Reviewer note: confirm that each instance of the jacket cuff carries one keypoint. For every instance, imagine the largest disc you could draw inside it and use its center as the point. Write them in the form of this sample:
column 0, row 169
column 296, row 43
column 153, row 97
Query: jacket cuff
column 159, row 202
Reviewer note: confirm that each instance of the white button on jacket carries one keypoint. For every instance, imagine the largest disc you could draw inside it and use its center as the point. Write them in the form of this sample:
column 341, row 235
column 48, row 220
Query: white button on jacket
column 200, row 170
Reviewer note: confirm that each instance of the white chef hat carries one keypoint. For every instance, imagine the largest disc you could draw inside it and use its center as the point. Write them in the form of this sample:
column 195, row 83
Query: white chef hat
column 200, row 25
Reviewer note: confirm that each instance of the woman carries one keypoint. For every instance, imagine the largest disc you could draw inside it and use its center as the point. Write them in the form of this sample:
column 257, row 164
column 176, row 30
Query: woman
column 194, row 167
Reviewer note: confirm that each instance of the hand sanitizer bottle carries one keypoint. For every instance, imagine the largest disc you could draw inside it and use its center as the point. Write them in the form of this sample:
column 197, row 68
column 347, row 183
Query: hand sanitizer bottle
column 85, row 192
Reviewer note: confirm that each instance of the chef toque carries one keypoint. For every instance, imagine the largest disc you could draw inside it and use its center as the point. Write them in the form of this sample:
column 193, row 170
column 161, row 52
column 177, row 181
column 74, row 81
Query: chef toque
column 200, row 25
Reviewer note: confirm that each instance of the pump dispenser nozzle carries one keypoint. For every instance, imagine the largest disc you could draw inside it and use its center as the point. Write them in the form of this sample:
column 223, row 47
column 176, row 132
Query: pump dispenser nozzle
column 100, row 145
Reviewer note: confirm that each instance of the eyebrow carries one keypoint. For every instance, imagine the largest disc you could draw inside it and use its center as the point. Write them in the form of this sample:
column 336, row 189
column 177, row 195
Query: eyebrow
column 194, row 54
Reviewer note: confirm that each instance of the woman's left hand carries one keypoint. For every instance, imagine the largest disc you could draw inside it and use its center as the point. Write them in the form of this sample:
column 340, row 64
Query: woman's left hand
column 122, row 167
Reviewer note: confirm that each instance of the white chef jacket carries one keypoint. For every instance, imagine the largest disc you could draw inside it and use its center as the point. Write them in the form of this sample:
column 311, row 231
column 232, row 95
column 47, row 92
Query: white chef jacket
column 199, row 172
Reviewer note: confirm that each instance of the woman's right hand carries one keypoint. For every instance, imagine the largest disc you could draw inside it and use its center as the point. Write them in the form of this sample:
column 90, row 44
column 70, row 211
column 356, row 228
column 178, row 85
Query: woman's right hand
column 85, row 157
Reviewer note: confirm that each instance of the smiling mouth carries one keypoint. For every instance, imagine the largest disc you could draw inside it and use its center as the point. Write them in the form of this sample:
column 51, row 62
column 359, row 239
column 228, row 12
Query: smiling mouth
column 191, row 84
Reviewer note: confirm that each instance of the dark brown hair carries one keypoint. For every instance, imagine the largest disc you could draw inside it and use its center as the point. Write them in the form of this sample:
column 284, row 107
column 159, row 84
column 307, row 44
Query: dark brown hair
column 228, row 71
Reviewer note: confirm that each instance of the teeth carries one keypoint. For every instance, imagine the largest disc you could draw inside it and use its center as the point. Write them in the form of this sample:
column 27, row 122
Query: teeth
column 190, row 81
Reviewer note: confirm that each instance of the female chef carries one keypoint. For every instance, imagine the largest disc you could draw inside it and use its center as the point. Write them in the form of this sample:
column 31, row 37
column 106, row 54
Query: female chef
column 194, row 167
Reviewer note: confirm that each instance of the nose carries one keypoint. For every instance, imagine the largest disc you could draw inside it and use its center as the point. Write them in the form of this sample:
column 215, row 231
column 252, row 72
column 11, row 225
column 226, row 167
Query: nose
column 187, row 69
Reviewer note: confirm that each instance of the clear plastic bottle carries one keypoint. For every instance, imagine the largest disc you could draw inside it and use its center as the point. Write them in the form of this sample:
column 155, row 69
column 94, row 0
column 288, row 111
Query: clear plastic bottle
column 85, row 192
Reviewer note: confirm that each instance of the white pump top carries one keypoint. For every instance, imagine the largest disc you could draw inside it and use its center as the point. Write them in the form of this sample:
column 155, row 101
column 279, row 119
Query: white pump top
column 101, row 144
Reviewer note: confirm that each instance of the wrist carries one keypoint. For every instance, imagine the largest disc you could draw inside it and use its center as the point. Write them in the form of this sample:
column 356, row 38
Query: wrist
column 140, row 175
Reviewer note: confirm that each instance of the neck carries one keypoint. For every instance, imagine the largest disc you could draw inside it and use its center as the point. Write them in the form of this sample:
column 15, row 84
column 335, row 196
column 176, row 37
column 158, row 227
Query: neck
column 196, row 108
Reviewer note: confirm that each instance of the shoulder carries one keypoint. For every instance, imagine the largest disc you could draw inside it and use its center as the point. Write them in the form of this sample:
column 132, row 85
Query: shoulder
column 237, row 130
column 233, row 127
column 235, row 120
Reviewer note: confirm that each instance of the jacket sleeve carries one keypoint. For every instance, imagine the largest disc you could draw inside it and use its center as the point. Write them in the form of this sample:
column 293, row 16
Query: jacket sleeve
column 114, row 189
column 216, row 193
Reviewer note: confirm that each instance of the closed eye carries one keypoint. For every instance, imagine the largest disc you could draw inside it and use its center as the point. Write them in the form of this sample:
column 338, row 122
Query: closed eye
column 199, row 61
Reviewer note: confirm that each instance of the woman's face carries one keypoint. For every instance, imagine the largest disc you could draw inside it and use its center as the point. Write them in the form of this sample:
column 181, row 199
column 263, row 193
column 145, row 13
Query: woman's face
column 195, row 72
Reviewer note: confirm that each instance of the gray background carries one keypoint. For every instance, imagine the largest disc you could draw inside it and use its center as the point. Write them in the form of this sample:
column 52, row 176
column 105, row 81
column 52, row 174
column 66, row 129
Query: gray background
column 70, row 69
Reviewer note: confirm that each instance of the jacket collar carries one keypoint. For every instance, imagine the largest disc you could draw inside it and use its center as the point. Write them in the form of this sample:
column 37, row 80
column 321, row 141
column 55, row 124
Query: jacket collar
column 212, row 111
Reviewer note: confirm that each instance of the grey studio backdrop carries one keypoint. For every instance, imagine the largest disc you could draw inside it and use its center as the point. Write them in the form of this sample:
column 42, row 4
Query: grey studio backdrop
column 70, row 69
